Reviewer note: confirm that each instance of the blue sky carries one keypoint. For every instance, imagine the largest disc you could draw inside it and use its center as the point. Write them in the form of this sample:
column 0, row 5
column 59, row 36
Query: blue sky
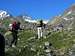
column 44, row 9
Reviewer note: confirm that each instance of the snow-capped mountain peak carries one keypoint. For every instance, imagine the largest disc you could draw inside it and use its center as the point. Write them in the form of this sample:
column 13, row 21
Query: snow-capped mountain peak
column 29, row 19
column 4, row 14
column 35, row 21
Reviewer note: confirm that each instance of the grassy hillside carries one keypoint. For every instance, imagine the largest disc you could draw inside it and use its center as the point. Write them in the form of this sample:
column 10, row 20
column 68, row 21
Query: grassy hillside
column 29, row 46
column 23, row 38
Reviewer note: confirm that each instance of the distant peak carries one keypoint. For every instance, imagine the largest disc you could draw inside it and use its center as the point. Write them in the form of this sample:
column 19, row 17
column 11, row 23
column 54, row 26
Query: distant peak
column 4, row 14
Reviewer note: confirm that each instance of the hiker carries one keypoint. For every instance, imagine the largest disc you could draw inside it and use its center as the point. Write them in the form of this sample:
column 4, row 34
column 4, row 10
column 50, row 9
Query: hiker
column 40, row 28
column 15, row 27
column 2, row 45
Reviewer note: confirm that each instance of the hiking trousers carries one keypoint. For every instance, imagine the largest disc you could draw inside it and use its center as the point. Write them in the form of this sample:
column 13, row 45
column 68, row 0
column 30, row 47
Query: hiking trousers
column 15, row 37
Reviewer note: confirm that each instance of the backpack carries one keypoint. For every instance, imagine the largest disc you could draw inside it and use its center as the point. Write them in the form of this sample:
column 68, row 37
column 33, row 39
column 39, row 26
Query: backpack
column 18, row 25
column 14, row 26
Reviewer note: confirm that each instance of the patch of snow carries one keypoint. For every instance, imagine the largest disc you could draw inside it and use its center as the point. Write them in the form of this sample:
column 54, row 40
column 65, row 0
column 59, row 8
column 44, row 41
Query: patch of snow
column 66, row 19
column 69, row 12
column 31, row 21
column 45, row 22
column 35, row 21
column 3, row 14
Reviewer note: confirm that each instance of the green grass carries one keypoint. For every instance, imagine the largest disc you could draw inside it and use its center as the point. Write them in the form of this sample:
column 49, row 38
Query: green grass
column 23, row 36
column 58, row 39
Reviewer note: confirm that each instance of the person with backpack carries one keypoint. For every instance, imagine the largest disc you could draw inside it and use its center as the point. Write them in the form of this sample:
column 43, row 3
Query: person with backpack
column 15, row 27
column 39, row 28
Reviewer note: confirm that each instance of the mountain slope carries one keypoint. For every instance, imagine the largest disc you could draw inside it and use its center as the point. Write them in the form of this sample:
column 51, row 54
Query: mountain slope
column 67, row 19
